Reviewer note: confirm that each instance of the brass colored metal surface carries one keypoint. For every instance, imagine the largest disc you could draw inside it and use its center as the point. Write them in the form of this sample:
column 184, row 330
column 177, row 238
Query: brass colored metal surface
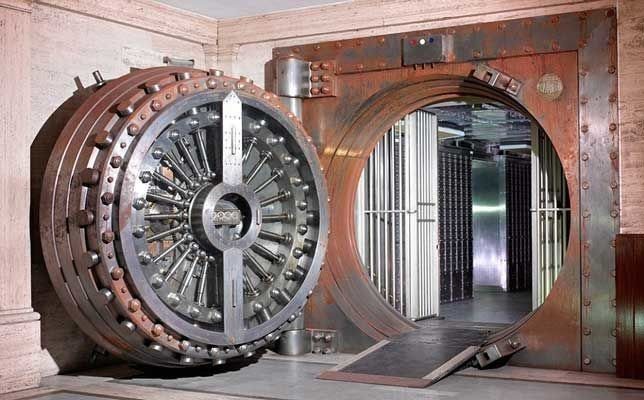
column 374, row 90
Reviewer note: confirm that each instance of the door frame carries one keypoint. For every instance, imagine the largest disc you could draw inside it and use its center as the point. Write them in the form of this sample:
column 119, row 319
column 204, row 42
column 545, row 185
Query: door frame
column 565, row 66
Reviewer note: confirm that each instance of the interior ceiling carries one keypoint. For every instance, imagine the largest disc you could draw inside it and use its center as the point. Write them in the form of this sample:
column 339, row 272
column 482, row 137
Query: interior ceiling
column 484, row 122
column 221, row 9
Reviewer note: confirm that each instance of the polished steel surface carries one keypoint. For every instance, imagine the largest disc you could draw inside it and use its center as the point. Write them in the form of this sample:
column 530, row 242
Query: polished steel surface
column 190, row 208
column 488, row 223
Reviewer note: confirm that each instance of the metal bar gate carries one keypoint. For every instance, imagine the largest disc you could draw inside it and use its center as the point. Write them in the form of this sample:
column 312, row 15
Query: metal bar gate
column 550, row 216
column 396, row 215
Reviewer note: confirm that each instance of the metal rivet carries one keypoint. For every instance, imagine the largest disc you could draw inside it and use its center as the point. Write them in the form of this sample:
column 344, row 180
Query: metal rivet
column 613, row 155
column 117, row 273
column 587, row 302
column 586, row 272
column 586, row 214
column 315, row 91
column 183, row 89
column 139, row 203
column 585, row 185
column 587, row 331
column 132, row 130
column 211, row 83
column 157, row 330
column 587, row 361
column 614, row 213
column 156, row 105
column 107, row 198
column 611, row 69
column 584, row 128
column 612, row 126
column 107, row 237
column 138, row 232
column 613, row 303
column 583, row 100
column 585, row 157
column 116, row 161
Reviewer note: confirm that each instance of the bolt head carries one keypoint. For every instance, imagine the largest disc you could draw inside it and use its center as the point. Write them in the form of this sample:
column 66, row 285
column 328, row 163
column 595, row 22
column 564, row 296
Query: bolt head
column 157, row 153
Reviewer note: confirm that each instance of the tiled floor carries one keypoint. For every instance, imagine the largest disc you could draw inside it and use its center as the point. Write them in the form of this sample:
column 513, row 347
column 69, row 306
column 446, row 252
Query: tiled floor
column 291, row 380
column 489, row 306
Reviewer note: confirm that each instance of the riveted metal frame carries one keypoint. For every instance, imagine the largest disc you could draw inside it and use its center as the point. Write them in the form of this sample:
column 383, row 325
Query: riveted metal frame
column 575, row 327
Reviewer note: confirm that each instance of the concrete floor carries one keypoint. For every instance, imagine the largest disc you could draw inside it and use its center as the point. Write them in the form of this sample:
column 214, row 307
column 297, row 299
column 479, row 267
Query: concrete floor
column 489, row 306
column 272, row 378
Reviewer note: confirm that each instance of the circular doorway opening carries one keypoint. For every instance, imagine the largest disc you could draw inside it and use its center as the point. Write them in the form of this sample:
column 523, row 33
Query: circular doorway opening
column 462, row 213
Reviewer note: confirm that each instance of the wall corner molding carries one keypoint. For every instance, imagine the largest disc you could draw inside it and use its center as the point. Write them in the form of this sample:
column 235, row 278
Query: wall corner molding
column 148, row 15
column 17, row 5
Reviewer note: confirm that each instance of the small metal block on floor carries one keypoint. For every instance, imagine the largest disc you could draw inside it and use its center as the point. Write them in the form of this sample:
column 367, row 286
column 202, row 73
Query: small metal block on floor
column 324, row 341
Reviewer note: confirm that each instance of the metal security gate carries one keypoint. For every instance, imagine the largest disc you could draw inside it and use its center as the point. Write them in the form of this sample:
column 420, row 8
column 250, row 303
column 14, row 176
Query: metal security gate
column 519, row 239
column 550, row 216
column 396, row 216
column 455, row 224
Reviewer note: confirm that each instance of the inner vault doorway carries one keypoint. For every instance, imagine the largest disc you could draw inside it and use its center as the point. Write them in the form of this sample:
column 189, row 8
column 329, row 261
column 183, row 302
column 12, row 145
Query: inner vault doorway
column 461, row 211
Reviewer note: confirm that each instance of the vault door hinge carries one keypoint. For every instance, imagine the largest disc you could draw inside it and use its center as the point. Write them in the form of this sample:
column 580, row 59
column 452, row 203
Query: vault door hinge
column 297, row 78
column 497, row 79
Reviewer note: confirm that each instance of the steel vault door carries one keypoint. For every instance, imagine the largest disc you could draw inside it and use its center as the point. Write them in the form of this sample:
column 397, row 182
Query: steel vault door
column 560, row 69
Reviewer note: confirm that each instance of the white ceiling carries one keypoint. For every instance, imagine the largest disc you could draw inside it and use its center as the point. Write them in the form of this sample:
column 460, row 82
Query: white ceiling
column 221, row 9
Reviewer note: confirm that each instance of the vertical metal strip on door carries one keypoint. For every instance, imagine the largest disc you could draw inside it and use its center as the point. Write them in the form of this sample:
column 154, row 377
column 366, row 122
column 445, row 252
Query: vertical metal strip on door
column 427, row 177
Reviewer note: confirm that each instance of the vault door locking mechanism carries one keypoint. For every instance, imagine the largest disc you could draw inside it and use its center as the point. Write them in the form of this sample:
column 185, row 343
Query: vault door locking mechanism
column 497, row 79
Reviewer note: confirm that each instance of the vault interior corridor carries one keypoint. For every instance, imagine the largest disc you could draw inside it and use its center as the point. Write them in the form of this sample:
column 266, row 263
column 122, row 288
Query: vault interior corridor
column 445, row 211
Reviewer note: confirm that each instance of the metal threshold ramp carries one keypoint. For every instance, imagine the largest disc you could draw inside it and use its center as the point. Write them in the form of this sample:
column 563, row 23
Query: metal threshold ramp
column 416, row 359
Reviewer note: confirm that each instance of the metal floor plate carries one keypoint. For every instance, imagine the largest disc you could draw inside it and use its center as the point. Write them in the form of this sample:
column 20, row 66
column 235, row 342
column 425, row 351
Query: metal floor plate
column 415, row 359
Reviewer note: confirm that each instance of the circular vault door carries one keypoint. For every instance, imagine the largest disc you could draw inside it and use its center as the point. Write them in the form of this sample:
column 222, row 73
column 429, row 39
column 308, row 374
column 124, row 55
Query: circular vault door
column 183, row 217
